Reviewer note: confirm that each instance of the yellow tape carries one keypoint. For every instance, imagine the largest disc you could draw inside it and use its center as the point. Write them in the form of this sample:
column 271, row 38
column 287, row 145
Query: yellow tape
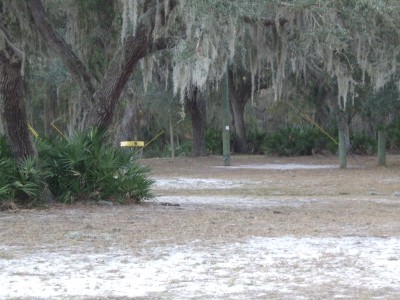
column 132, row 144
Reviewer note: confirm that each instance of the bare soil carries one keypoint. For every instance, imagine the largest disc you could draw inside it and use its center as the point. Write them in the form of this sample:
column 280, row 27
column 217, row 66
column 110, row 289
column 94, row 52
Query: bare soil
column 362, row 201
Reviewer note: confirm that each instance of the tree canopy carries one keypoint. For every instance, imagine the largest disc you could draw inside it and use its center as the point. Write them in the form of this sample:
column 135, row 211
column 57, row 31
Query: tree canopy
column 102, row 42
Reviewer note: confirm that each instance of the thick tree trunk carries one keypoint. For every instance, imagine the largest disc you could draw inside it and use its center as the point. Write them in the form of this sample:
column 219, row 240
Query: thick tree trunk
column 196, row 106
column 239, row 94
column 13, row 114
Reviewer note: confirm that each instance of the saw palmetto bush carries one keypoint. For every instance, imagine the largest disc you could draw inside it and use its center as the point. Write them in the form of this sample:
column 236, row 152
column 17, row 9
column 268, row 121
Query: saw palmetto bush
column 295, row 141
column 84, row 167
column 22, row 183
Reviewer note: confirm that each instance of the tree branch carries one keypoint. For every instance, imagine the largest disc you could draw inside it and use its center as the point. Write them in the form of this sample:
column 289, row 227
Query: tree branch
column 133, row 49
column 58, row 44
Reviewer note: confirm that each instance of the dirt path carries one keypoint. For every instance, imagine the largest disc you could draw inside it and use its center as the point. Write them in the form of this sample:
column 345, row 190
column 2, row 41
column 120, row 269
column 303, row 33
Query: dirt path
column 266, row 227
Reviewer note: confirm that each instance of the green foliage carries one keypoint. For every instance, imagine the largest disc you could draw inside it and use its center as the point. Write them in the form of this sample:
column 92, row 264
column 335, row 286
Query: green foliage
column 255, row 141
column 5, row 151
column 214, row 141
column 84, row 167
column 362, row 144
column 184, row 149
column 293, row 141
column 393, row 134
column 6, row 179
column 21, row 182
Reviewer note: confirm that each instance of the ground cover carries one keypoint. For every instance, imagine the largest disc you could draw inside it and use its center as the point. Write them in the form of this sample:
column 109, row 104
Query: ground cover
column 266, row 227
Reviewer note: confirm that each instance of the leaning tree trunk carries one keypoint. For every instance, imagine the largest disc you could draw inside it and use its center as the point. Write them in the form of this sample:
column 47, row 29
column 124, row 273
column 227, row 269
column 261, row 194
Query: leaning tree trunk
column 125, row 60
column 13, row 114
column 196, row 106
column 118, row 74
column 132, row 50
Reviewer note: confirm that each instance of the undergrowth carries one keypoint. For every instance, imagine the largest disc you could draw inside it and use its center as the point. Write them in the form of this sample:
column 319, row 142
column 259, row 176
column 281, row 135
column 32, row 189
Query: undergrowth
column 80, row 168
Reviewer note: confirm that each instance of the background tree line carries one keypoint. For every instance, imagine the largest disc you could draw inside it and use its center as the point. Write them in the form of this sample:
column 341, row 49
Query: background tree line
column 299, row 72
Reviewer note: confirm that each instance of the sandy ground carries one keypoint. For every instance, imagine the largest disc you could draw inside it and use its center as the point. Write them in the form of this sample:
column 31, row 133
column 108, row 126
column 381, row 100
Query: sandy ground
column 264, row 228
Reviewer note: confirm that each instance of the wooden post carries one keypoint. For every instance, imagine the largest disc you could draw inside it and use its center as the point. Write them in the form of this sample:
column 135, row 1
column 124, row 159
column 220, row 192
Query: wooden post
column 171, row 137
column 382, row 147
column 225, row 121
column 342, row 149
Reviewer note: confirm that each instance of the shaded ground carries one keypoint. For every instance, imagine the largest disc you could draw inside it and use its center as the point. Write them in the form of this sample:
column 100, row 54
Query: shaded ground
column 291, row 228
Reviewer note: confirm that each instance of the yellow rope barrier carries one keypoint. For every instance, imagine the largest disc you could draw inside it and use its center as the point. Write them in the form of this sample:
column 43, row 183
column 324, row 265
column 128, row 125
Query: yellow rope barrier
column 153, row 139
column 56, row 129
column 315, row 124
column 320, row 128
column 33, row 131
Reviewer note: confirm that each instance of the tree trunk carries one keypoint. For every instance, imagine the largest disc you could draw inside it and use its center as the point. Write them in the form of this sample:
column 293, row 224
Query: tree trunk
column 133, row 49
column 48, row 107
column 196, row 106
column 118, row 73
column 240, row 145
column 13, row 113
column 239, row 94
column 57, row 43
column 322, row 94
column 344, row 137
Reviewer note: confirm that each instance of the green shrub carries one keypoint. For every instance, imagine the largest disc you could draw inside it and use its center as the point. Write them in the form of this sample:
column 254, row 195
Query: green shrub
column 362, row 144
column 23, row 182
column 393, row 136
column 255, row 141
column 84, row 167
column 214, row 141
column 6, row 179
column 295, row 141
column 184, row 149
